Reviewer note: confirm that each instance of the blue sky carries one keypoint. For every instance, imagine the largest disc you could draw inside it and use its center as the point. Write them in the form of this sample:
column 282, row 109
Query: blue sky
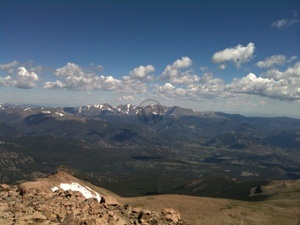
column 231, row 56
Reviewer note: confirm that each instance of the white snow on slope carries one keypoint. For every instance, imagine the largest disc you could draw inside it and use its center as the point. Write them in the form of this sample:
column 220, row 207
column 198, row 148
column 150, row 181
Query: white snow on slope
column 55, row 189
column 59, row 114
column 84, row 190
column 27, row 109
column 46, row 112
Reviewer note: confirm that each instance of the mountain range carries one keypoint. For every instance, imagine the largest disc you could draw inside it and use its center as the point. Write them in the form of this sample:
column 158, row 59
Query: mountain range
column 187, row 152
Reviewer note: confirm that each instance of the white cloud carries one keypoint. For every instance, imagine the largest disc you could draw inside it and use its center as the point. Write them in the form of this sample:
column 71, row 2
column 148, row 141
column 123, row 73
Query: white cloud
column 293, row 71
column 54, row 85
column 281, row 85
column 98, row 68
column 166, row 88
column 180, row 92
column 108, row 83
column 222, row 67
column 70, row 70
column 6, row 81
column 141, row 72
column 175, row 75
column 173, row 70
column 185, row 78
column 207, row 87
column 132, row 86
column 281, row 23
column 273, row 60
column 283, row 89
column 285, row 23
column 23, row 79
column 9, row 66
column 76, row 78
column 238, row 54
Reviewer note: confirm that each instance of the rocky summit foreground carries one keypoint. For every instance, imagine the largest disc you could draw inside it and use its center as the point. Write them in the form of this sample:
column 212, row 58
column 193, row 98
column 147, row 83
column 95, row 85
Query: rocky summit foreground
column 64, row 199
column 36, row 203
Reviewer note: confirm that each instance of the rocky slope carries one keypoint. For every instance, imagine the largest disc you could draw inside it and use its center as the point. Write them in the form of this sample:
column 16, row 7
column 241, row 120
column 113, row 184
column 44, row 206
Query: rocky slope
column 47, row 201
column 42, row 202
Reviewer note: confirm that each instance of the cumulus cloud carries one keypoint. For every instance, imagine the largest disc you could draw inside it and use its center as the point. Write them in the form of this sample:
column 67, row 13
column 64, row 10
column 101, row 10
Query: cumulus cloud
column 292, row 71
column 283, row 89
column 23, row 79
column 174, row 69
column 6, row 81
column 93, row 67
column 141, row 72
column 207, row 87
column 185, row 78
column 54, row 85
column 70, row 70
column 180, row 92
column 169, row 90
column 238, row 54
column 273, row 60
column 131, row 85
column 165, row 88
column 9, row 67
column 76, row 78
column 280, row 85
column 175, row 75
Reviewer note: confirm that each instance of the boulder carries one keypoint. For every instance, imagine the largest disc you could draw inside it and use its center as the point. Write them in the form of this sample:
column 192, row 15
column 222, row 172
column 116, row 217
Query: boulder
column 4, row 187
column 38, row 216
column 109, row 200
column 145, row 215
column 171, row 215
column 34, row 187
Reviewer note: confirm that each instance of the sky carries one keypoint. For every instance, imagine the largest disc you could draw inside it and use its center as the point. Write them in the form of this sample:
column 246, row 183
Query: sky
column 230, row 56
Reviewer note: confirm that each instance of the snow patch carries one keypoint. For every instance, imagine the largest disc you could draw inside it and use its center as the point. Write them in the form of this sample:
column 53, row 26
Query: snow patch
column 84, row 190
column 46, row 112
column 59, row 114
column 98, row 106
column 55, row 189
column 27, row 109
